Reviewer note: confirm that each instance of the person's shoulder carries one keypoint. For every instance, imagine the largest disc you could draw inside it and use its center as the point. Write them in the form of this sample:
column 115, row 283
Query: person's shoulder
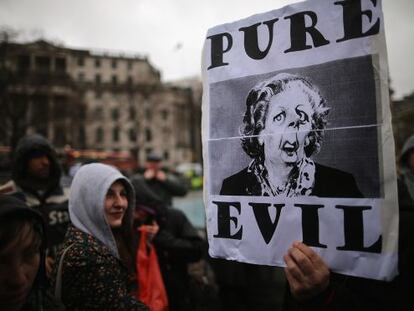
column 60, row 195
column 237, row 177
column 138, row 176
column 332, row 182
column 323, row 171
column 8, row 188
column 236, row 184
column 83, row 248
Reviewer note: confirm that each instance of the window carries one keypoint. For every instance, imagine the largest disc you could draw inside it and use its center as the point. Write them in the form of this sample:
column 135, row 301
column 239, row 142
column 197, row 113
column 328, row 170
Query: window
column 99, row 135
column 130, row 65
column 115, row 114
column 129, row 81
column 114, row 63
column 166, row 155
column 97, row 62
column 148, row 135
column 60, row 64
column 81, row 61
column 132, row 113
column 164, row 114
column 82, row 136
column 98, row 79
column 98, row 94
column 23, row 63
column 81, row 76
column 42, row 63
column 132, row 134
column 114, row 80
column 148, row 114
column 115, row 134
column 98, row 112
column 60, row 108
column 60, row 136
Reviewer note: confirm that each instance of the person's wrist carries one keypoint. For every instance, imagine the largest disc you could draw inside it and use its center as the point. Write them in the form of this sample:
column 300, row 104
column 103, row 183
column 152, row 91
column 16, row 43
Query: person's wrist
column 321, row 299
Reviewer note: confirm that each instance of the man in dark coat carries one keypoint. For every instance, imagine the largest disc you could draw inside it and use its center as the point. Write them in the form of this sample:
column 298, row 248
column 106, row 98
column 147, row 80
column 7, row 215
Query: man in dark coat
column 163, row 183
column 406, row 163
column 35, row 180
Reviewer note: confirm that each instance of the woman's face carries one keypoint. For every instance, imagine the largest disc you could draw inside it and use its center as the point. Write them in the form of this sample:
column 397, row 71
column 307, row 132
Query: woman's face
column 116, row 203
column 287, row 125
column 19, row 263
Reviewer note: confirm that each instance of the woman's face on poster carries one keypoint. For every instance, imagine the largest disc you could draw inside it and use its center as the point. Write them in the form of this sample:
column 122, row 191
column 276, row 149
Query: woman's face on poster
column 287, row 126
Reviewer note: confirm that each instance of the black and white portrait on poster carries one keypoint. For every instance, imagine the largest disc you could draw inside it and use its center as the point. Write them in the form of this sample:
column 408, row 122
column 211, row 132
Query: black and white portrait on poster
column 297, row 138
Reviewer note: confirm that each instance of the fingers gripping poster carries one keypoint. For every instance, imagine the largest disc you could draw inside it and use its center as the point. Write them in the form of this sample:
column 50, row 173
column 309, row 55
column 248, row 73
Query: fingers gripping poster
column 297, row 138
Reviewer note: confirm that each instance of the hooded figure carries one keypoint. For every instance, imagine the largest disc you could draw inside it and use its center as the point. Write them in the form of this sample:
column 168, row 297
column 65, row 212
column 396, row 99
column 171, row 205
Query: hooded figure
column 36, row 181
column 407, row 165
column 29, row 147
column 95, row 273
column 22, row 254
column 177, row 243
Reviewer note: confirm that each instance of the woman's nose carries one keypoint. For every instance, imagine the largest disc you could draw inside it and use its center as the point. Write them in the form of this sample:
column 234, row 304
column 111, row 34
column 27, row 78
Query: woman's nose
column 45, row 160
column 120, row 200
column 294, row 122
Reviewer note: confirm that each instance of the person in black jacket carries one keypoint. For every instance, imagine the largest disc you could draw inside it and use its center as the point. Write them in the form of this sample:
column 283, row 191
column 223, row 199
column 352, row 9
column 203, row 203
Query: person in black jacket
column 176, row 241
column 36, row 175
column 282, row 128
column 406, row 164
column 312, row 286
column 165, row 184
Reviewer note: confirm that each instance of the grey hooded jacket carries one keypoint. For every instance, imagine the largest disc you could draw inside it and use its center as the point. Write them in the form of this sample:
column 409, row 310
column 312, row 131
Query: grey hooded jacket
column 86, row 202
column 94, row 276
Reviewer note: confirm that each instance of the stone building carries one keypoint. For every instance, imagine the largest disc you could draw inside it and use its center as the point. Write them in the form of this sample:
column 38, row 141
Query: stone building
column 98, row 101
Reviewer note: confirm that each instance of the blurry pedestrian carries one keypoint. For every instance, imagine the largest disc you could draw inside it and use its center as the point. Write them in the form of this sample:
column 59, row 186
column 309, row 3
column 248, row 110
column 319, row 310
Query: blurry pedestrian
column 22, row 252
column 97, row 256
column 176, row 240
column 151, row 287
column 163, row 183
column 406, row 162
column 35, row 180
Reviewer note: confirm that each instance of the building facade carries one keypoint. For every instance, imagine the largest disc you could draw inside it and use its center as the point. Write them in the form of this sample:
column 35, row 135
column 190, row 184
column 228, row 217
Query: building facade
column 97, row 101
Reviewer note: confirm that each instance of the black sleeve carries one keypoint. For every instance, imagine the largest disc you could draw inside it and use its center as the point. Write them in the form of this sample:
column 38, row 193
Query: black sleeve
column 180, row 238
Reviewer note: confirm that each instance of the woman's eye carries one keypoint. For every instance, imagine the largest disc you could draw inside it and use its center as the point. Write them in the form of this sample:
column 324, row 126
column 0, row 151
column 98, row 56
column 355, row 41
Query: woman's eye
column 303, row 117
column 279, row 117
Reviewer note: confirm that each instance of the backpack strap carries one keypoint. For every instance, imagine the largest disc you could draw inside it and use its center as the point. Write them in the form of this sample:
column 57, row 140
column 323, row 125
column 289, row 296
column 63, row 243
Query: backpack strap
column 58, row 285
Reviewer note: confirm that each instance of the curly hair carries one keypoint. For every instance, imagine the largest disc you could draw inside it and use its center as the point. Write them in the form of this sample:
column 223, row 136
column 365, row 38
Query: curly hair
column 257, row 106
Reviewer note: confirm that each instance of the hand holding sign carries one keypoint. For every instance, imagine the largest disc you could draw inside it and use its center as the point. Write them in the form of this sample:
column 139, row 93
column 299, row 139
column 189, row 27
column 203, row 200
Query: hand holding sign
column 306, row 272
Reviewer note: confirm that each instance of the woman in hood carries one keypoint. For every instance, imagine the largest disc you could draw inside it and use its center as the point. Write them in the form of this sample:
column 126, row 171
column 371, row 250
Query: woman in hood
column 97, row 248
column 22, row 256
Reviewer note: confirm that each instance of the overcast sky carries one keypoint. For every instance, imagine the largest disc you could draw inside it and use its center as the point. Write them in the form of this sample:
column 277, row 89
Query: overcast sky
column 171, row 32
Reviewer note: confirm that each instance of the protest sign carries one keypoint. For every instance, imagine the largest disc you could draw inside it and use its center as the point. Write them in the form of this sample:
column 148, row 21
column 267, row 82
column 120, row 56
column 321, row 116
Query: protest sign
column 297, row 137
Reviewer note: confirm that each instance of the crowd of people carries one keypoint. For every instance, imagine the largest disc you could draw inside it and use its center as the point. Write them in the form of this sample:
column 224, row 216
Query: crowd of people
column 109, row 242
column 72, row 244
